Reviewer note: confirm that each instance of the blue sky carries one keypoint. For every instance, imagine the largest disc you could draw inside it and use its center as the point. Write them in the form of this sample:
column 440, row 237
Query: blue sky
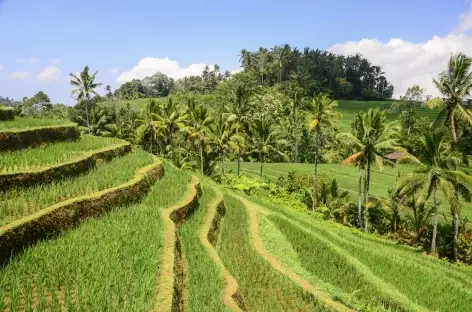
column 54, row 37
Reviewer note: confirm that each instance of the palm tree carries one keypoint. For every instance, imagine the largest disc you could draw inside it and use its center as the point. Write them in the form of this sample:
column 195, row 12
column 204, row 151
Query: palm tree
column 171, row 118
column 280, row 54
column 323, row 115
column 198, row 129
column 262, row 59
column 436, row 170
column 265, row 140
column 375, row 138
column 297, row 105
column 148, row 126
column 455, row 84
column 239, row 105
column 226, row 136
column 84, row 86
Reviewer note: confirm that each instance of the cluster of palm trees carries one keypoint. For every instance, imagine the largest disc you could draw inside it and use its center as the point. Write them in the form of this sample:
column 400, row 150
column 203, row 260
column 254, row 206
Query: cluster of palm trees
column 194, row 135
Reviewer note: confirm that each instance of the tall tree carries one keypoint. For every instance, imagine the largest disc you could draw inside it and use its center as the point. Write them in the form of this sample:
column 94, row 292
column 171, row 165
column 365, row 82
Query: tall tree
column 265, row 141
column 436, row 170
column 226, row 136
column 199, row 129
column 375, row 140
column 239, row 105
column 85, row 86
column 455, row 84
column 322, row 116
column 149, row 129
column 172, row 120
column 297, row 105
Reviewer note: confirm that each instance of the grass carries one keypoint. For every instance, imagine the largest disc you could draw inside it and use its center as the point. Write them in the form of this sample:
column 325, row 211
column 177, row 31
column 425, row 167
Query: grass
column 262, row 288
column 381, row 181
column 204, row 278
column 434, row 284
column 25, row 123
column 106, row 264
column 54, row 153
column 17, row 203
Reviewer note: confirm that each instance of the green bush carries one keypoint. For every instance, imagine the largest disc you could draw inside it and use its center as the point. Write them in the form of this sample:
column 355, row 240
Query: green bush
column 6, row 113
column 14, row 140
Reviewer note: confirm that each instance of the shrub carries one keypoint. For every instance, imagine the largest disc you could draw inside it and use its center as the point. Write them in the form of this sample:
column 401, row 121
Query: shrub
column 13, row 140
column 7, row 113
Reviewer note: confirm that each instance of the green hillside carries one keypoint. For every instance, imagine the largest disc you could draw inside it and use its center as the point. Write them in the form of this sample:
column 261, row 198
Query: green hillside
column 134, row 233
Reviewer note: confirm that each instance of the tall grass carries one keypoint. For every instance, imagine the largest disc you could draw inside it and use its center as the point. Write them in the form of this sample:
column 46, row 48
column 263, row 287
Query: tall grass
column 22, row 123
column 434, row 284
column 205, row 283
column 53, row 153
column 106, row 264
column 17, row 203
column 262, row 288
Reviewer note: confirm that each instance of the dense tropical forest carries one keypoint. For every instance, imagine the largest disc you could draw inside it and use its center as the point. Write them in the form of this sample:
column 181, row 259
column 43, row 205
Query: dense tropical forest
column 309, row 146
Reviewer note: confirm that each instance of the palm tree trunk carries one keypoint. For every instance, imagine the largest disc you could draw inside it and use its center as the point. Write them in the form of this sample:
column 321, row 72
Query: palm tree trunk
column 239, row 161
column 435, row 224
column 367, row 185
column 296, row 135
column 222, row 163
column 315, row 174
column 262, row 162
column 453, row 128
column 359, row 198
column 201, row 157
column 87, row 103
column 455, row 224
column 395, row 214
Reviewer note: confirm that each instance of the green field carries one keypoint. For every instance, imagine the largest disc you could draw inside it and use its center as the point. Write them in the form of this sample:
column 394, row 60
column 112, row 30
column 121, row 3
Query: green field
column 50, row 154
column 347, row 178
column 22, row 123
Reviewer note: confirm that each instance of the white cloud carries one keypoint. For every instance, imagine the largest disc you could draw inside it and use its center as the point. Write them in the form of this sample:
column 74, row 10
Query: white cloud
column 19, row 75
column 148, row 66
column 114, row 70
column 407, row 63
column 20, row 60
column 465, row 20
column 236, row 71
column 33, row 60
column 49, row 74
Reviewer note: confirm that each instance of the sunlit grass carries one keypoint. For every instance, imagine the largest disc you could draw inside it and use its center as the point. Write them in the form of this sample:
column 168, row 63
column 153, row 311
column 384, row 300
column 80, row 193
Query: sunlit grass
column 263, row 288
column 205, row 282
column 50, row 154
column 17, row 203
column 106, row 264
column 436, row 285
column 22, row 123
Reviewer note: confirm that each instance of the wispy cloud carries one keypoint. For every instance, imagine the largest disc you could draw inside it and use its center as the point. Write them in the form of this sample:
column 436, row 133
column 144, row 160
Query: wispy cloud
column 33, row 60
column 49, row 74
column 20, row 60
column 19, row 75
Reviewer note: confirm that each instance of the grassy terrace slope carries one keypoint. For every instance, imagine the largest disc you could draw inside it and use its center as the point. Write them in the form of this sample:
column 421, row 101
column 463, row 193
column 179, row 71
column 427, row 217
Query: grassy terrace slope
column 346, row 178
column 362, row 269
column 51, row 154
column 106, row 264
column 22, row 123
column 17, row 203
column 262, row 287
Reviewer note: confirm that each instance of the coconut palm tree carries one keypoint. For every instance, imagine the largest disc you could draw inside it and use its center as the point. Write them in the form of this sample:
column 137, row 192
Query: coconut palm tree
column 198, row 129
column 322, row 116
column 265, row 140
column 226, row 136
column 171, row 119
column 455, row 84
column 436, row 170
column 297, row 106
column 373, row 140
column 85, row 86
column 149, row 129
column 239, row 105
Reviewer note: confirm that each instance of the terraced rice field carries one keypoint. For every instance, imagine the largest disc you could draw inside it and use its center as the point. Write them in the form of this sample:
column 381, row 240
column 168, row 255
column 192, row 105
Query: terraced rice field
column 106, row 264
column 368, row 272
column 22, row 123
column 54, row 153
column 20, row 202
